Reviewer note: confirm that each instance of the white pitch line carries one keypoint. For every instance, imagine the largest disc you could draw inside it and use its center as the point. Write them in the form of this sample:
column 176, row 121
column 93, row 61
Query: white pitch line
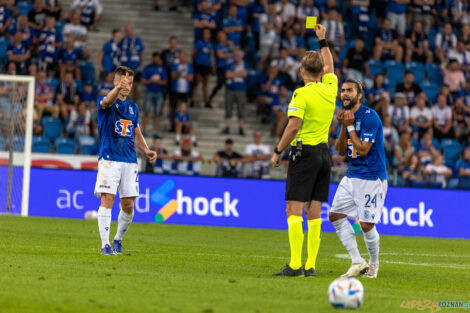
column 441, row 265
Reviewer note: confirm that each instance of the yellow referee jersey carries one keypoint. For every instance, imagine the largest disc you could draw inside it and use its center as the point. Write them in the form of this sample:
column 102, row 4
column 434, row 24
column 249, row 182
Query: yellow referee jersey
column 315, row 105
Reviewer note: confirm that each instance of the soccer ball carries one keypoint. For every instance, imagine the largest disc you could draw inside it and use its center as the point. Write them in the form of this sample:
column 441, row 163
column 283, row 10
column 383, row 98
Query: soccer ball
column 346, row 293
column 91, row 215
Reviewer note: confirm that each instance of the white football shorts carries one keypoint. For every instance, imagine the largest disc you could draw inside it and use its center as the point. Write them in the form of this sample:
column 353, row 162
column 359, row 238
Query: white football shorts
column 113, row 176
column 360, row 199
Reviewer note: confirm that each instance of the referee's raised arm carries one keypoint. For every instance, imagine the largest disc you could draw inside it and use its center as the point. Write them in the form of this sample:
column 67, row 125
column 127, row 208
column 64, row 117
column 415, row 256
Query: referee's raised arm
column 328, row 66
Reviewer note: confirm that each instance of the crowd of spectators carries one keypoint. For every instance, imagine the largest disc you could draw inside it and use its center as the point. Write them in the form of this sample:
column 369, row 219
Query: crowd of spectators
column 412, row 55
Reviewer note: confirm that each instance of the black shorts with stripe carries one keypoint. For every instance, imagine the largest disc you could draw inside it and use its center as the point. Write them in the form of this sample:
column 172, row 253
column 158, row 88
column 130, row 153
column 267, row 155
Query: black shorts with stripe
column 308, row 176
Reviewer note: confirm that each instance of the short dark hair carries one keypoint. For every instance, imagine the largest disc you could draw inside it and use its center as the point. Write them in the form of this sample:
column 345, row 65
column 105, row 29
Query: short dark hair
column 123, row 70
column 155, row 54
column 408, row 72
column 115, row 30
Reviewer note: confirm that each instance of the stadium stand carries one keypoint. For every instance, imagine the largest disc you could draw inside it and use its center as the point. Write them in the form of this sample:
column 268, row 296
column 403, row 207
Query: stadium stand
column 381, row 50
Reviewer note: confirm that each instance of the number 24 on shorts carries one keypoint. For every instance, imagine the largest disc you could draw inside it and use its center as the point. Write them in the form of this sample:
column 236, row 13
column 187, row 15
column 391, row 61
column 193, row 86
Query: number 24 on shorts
column 370, row 200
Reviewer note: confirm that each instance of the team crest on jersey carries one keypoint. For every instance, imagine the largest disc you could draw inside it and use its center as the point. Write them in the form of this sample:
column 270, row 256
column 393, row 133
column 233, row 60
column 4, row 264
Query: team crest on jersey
column 366, row 214
column 124, row 127
column 131, row 110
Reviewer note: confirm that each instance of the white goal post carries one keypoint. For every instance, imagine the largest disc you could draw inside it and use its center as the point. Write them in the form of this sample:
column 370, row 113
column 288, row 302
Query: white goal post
column 28, row 135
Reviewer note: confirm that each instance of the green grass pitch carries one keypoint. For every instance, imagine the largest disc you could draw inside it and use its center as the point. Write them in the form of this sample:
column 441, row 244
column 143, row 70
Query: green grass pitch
column 53, row 265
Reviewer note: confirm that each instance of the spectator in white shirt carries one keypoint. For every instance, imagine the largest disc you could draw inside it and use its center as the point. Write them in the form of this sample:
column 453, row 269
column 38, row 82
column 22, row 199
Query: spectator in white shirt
column 335, row 32
column 400, row 113
column 270, row 34
column 258, row 155
column 287, row 67
column 442, row 118
column 76, row 32
column 445, row 41
column 286, row 11
column 421, row 117
column 91, row 11
column 437, row 172
column 79, row 122
column 189, row 160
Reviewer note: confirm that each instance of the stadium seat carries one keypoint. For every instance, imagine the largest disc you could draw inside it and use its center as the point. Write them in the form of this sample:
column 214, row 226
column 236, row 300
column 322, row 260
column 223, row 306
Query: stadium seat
column 431, row 90
column 417, row 69
column 433, row 73
column 41, row 145
column 52, row 127
column 54, row 82
column 18, row 143
column 417, row 184
column 432, row 37
column 452, row 153
column 376, row 67
column 313, row 43
column 2, row 143
column 87, row 144
column 4, row 42
column 435, row 143
column 447, row 142
column 394, row 70
column 464, row 182
column 65, row 146
column 88, row 71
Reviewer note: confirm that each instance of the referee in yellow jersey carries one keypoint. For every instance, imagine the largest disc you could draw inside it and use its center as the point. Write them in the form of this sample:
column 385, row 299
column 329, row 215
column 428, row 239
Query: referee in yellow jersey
column 308, row 176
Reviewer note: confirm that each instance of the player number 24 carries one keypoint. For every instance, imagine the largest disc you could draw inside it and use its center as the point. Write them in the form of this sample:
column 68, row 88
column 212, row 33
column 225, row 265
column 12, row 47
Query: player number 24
column 370, row 200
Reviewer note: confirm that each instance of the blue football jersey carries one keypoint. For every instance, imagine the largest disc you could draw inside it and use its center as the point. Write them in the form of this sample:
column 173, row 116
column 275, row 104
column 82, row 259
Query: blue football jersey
column 116, row 126
column 369, row 128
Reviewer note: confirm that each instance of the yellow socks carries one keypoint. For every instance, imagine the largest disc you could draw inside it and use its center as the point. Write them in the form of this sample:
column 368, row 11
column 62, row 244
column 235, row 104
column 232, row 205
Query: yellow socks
column 296, row 240
column 313, row 243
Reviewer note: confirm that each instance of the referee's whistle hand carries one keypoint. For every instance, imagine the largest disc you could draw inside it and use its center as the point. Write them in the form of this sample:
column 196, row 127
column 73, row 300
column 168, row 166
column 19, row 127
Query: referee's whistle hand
column 275, row 160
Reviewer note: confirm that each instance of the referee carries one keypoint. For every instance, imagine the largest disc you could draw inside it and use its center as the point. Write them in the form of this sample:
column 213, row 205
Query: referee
column 308, row 176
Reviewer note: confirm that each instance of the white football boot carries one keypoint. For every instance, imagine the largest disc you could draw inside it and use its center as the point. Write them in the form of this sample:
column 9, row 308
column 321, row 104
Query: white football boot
column 372, row 271
column 356, row 269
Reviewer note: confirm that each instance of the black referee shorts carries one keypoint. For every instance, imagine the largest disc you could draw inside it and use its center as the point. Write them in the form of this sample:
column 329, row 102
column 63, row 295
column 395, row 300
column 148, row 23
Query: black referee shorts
column 308, row 176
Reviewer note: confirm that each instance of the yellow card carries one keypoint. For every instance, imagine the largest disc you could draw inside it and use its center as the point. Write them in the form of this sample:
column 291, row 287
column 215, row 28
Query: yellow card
column 311, row 22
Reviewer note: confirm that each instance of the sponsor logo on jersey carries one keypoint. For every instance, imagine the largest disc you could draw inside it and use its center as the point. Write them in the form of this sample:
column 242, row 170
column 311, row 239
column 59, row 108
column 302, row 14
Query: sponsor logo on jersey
column 124, row 127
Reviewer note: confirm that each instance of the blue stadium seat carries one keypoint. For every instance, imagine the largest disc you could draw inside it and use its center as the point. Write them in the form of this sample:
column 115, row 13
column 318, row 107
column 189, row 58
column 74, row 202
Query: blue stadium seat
column 87, row 144
column 54, row 82
column 417, row 69
column 435, row 143
column 417, row 184
column 433, row 73
column 432, row 37
column 18, row 143
column 452, row 153
column 394, row 70
column 313, row 43
column 431, row 90
column 52, row 127
column 376, row 67
column 65, row 146
column 88, row 71
column 342, row 54
column 2, row 143
column 41, row 145
column 24, row 6
column 4, row 42
column 447, row 142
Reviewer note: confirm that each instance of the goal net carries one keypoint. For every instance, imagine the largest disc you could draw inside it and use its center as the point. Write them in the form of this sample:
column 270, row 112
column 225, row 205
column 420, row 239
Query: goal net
column 16, row 130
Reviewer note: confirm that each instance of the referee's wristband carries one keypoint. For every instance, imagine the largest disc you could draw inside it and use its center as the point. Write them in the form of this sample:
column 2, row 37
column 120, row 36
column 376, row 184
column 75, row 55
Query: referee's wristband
column 323, row 43
column 277, row 151
column 350, row 128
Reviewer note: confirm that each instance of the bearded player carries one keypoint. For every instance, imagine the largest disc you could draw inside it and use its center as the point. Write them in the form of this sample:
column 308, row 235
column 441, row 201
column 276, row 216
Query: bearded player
column 120, row 136
column 361, row 193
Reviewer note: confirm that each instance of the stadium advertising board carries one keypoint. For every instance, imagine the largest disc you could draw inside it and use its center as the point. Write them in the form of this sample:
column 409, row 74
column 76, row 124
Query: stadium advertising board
column 212, row 201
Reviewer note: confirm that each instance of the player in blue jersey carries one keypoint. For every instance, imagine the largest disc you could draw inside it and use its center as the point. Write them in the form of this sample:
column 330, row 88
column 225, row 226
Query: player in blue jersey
column 120, row 136
column 361, row 193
